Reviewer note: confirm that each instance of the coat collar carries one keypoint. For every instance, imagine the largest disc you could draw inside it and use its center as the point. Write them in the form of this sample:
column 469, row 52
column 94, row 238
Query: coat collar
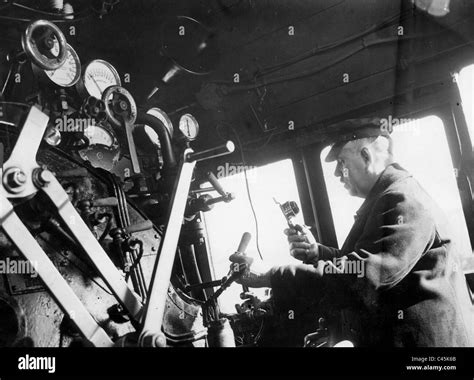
column 392, row 173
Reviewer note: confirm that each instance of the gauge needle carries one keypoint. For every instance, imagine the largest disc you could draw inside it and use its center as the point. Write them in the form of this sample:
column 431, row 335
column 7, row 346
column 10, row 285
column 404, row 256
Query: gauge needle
column 187, row 124
column 97, row 84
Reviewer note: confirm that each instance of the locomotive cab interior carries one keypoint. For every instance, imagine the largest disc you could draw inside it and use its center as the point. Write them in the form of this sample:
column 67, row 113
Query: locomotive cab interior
column 153, row 151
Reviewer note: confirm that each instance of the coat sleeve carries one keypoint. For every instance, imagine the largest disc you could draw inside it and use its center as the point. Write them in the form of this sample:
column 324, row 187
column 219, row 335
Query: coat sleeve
column 328, row 253
column 295, row 286
column 398, row 231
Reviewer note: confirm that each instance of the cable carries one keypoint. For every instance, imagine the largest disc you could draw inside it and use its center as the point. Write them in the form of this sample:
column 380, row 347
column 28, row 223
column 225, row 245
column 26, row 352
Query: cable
column 15, row 19
column 363, row 46
column 19, row 104
column 248, row 194
column 84, row 272
column 313, row 52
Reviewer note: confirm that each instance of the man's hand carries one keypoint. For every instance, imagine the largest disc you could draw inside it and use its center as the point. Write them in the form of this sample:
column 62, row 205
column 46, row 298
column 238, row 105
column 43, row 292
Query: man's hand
column 303, row 246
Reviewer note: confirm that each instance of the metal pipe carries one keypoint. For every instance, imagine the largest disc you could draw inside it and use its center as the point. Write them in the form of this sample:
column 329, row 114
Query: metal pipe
column 169, row 160
column 207, row 154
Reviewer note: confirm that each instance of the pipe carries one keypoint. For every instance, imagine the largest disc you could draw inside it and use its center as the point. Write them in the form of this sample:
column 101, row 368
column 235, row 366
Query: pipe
column 169, row 160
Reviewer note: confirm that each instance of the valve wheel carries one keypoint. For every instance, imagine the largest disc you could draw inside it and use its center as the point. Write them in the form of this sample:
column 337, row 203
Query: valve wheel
column 119, row 105
column 95, row 109
column 39, row 41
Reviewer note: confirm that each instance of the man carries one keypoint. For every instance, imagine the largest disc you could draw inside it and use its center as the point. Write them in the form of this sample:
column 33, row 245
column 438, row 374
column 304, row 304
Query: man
column 411, row 291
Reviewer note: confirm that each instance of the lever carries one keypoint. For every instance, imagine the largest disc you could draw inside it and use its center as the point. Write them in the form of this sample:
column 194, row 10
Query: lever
column 207, row 154
column 205, row 203
column 215, row 183
column 243, row 261
column 240, row 257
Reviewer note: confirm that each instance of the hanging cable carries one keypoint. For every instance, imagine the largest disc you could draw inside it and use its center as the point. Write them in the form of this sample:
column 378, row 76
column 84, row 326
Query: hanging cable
column 323, row 49
column 257, row 239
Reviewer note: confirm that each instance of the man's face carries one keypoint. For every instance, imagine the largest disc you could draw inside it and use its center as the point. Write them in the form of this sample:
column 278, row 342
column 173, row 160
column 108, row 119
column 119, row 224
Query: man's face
column 352, row 170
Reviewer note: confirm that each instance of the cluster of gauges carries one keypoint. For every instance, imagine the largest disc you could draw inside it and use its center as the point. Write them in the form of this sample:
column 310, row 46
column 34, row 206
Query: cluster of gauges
column 95, row 80
column 90, row 81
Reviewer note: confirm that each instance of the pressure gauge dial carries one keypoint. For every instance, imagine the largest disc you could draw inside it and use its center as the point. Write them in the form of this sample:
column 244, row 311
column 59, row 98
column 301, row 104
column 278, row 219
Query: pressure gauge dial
column 189, row 126
column 103, row 148
column 97, row 135
column 98, row 75
column 69, row 73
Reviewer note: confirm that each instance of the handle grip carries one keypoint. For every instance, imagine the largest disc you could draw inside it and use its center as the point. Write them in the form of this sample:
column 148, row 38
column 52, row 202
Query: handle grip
column 215, row 183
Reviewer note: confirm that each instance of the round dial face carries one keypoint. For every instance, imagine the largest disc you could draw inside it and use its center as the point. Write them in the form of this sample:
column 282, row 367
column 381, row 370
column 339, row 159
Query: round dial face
column 99, row 136
column 69, row 73
column 103, row 150
column 98, row 75
column 189, row 126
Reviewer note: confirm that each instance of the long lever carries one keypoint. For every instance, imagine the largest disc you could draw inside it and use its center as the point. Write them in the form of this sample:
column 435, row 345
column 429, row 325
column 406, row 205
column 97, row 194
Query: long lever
column 151, row 334
column 240, row 257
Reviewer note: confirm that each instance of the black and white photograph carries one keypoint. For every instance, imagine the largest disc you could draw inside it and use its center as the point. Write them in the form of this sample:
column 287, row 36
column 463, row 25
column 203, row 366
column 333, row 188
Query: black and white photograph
column 229, row 184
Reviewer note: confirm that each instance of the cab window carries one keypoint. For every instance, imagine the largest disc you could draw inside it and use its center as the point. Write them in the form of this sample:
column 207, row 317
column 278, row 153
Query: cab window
column 227, row 222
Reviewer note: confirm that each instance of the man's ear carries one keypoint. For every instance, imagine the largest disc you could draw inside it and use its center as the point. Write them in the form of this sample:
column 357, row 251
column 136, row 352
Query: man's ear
column 366, row 155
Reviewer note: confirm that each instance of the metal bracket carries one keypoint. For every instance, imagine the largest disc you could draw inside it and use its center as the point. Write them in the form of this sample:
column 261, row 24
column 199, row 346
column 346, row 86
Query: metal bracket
column 151, row 334
column 58, row 286
column 21, row 178
column 112, row 277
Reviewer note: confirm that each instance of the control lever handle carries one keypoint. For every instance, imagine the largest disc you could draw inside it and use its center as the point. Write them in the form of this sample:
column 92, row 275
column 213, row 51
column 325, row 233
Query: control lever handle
column 207, row 154
column 224, row 195
column 215, row 183
column 225, row 198
column 235, row 272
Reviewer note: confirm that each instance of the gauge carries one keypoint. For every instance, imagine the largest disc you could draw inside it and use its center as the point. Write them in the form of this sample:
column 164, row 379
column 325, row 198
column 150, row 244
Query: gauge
column 69, row 72
column 98, row 75
column 99, row 136
column 189, row 126
column 103, row 150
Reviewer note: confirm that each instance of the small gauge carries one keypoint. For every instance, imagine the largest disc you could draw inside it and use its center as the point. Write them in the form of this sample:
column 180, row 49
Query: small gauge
column 69, row 73
column 103, row 150
column 99, row 136
column 97, row 76
column 189, row 126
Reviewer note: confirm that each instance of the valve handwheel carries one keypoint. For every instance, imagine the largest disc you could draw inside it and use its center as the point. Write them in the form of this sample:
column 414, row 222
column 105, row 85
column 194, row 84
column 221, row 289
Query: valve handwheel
column 95, row 109
column 45, row 44
column 119, row 105
column 122, row 111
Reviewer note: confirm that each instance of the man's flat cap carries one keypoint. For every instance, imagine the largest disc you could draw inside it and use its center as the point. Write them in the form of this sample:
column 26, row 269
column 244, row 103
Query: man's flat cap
column 359, row 129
